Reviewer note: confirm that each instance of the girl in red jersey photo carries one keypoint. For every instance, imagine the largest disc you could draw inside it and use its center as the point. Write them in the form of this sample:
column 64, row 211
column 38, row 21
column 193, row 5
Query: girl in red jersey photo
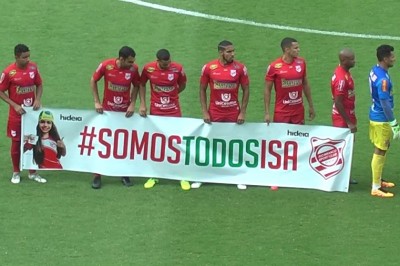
column 47, row 145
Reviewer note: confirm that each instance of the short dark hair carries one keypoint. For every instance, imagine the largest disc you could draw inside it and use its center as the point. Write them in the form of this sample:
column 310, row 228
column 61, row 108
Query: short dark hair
column 20, row 48
column 163, row 54
column 384, row 51
column 126, row 51
column 287, row 42
column 222, row 45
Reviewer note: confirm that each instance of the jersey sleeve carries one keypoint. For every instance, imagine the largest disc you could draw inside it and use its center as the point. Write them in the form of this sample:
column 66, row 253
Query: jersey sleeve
column 182, row 76
column 136, row 77
column 143, row 77
column 38, row 78
column 244, row 77
column 205, row 75
column 338, row 85
column 4, row 81
column 270, row 74
column 99, row 73
column 383, row 89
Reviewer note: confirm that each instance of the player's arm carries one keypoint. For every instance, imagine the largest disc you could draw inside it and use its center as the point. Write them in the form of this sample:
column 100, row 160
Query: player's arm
column 182, row 81
column 131, row 108
column 203, row 102
column 4, row 85
column 267, row 100
column 38, row 97
column 384, row 99
column 245, row 101
column 181, row 87
column 307, row 93
column 338, row 99
column 95, row 91
column 142, row 93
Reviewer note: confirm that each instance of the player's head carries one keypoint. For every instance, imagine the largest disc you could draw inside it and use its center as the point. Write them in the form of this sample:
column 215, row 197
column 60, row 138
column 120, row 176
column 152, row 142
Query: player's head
column 347, row 58
column 226, row 51
column 22, row 54
column 290, row 47
column 126, row 57
column 163, row 58
column 385, row 55
column 46, row 120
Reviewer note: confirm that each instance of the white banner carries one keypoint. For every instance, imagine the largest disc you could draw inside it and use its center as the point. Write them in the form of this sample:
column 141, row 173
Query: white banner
column 284, row 155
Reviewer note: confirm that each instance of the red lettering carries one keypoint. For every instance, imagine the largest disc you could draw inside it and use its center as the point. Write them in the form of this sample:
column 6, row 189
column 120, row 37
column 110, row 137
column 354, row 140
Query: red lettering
column 141, row 146
column 272, row 152
column 263, row 153
column 107, row 132
column 290, row 154
column 117, row 139
column 153, row 155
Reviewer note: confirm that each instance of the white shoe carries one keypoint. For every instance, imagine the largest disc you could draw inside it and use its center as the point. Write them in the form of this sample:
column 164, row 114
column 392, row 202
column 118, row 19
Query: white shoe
column 15, row 179
column 240, row 186
column 36, row 177
column 196, row 185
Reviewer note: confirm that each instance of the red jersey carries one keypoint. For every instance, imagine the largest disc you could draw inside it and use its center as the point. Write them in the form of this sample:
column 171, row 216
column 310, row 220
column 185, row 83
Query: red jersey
column 50, row 160
column 342, row 84
column 117, row 84
column 288, row 83
column 224, row 82
column 20, row 85
column 164, row 86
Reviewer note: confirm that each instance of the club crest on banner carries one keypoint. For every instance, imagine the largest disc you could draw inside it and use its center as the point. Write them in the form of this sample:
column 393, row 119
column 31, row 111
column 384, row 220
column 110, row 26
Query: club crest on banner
column 118, row 99
column 326, row 157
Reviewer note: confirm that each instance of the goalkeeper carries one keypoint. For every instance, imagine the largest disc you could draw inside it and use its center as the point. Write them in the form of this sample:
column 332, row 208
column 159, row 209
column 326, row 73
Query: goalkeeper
column 383, row 126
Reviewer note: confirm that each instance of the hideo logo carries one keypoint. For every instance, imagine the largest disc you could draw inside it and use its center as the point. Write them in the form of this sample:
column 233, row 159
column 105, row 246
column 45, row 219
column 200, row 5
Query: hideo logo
column 297, row 133
column 70, row 118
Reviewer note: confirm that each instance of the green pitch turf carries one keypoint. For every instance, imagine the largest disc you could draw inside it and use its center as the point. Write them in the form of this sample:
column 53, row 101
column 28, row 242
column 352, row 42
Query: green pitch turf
column 65, row 222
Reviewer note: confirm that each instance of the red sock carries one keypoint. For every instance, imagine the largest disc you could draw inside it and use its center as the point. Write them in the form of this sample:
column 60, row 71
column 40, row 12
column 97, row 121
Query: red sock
column 15, row 154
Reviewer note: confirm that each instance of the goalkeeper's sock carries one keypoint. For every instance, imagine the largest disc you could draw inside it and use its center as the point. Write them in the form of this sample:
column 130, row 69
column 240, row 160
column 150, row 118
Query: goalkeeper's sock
column 377, row 163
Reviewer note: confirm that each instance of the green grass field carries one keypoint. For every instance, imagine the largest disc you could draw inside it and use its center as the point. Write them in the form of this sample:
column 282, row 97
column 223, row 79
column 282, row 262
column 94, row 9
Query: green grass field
column 65, row 222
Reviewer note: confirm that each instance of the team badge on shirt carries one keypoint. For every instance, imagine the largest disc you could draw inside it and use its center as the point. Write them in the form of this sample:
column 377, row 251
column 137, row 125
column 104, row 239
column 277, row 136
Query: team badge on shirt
column 298, row 68
column 127, row 76
column 170, row 77
column 118, row 99
column 233, row 72
column 32, row 75
column 293, row 95
column 226, row 97
column 28, row 102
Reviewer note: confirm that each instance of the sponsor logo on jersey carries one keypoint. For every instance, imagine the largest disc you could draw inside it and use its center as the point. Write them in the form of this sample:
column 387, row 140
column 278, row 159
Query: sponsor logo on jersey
column 150, row 69
column 109, row 67
column 288, row 83
column 118, row 88
column 226, row 97
column 118, row 99
column 164, row 99
column 23, row 90
column 12, row 73
column 28, row 102
column 212, row 67
column 224, row 85
column 278, row 65
column 384, row 85
column 163, row 88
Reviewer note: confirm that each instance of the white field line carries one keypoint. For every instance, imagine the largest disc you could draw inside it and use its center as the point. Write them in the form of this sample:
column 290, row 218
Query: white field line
column 257, row 24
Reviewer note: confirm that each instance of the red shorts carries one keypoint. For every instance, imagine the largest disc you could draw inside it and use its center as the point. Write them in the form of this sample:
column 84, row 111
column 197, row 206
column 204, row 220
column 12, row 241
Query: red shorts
column 297, row 119
column 226, row 118
column 14, row 130
column 338, row 121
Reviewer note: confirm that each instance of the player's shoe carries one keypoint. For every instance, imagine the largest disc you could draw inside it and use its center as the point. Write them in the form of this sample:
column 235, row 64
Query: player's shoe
column 36, row 177
column 16, row 178
column 96, row 184
column 353, row 181
column 381, row 193
column 126, row 181
column 241, row 186
column 387, row 184
column 185, row 185
column 196, row 184
column 150, row 183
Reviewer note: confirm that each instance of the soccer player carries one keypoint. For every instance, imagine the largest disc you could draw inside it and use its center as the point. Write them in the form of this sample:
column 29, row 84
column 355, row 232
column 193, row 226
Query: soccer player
column 288, row 75
column 121, row 85
column 383, row 125
column 224, row 76
column 167, row 80
column 23, row 84
column 342, row 88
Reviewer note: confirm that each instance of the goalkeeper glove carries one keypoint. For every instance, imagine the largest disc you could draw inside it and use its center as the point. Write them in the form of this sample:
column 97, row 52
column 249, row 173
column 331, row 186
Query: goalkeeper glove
column 395, row 128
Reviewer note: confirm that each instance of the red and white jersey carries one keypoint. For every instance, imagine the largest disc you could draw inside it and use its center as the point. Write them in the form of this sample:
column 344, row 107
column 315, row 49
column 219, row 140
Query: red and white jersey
column 224, row 82
column 288, row 83
column 342, row 84
column 117, row 84
column 164, row 87
column 20, row 84
column 50, row 160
